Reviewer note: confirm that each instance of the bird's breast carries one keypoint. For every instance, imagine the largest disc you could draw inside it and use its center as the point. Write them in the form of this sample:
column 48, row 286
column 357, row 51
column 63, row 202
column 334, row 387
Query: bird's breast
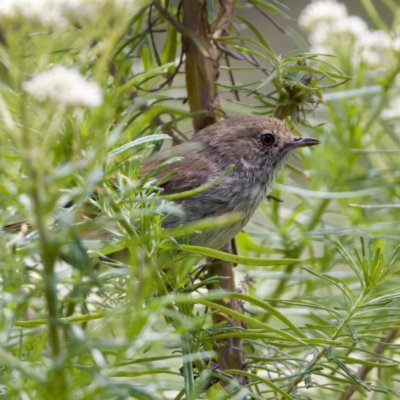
column 234, row 194
column 241, row 192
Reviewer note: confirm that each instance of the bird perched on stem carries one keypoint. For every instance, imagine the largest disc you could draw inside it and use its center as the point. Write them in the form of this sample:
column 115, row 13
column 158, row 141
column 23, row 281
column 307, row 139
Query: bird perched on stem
column 256, row 147
column 239, row 159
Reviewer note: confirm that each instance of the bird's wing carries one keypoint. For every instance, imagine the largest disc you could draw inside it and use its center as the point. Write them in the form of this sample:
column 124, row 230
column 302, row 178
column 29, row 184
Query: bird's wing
column 194, row 171
column 175, row 184
column 189, row 173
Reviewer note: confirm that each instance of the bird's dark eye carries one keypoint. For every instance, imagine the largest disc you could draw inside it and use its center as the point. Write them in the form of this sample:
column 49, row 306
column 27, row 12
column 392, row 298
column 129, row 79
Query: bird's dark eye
column 267, row 139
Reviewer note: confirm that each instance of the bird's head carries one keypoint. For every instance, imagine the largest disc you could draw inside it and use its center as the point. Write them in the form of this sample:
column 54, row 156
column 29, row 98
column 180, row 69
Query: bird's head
column 253, row 142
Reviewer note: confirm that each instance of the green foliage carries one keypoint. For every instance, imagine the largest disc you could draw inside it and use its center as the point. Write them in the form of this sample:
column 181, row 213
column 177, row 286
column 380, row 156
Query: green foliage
column 76, row 322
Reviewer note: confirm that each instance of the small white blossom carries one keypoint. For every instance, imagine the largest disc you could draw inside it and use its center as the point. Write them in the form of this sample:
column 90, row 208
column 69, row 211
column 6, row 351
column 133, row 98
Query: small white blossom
column 7, row 9
column 350, row 28
column 393, row 111
column 332, row 31
column 325, row 12
column 78, row 10
column 376, row 40
column 396, row 40
column 396, row 44
column 85, row 10
column 127, row 5
column 57, row 13
column 64, row 86
column 375, row 46
column 45, row 12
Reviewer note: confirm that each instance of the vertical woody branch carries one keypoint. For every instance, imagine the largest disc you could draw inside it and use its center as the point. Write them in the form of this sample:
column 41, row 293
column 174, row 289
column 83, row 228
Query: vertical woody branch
column 230, row 355
column 202, row 69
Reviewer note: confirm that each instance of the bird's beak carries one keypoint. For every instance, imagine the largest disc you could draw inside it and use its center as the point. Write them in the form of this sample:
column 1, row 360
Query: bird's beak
column 304, row 141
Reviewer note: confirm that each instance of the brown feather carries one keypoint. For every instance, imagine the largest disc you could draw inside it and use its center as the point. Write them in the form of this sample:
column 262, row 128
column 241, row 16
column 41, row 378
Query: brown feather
column 193, row 171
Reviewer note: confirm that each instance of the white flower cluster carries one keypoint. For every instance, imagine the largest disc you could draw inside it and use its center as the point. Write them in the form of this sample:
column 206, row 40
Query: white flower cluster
column 321, row 12
column 77, row 10
column 58, row 13
column 331, row 29
column 393, row 111
column 64, row 86
column 374, row 47
column 41, row 11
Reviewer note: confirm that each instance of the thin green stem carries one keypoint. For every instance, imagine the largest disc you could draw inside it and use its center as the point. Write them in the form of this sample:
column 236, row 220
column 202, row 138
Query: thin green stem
column 187, row 366
column 48, row 250
column 373, row 14
column 391, row 5
column 383, row 95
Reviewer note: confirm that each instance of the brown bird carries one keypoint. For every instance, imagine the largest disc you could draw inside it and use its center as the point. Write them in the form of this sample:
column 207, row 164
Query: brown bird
column 257, row 147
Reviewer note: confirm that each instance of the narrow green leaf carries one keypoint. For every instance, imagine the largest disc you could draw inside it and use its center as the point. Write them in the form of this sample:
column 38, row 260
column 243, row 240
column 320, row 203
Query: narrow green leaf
column 200, row 226
column 262, row 380
column 377, row 264
column 68, row 320
column 252, row 52
column 351, row 374
column 368, row 363
column 298, row 171
column 386, row 275
column 349, row 295
column 298, row 39
column 310, row 304
column 328, row 195
column 363, row 251
column 348, row 94
column 385, row 296
column 145, row 75
column 259, row 36
column 373, row 206
column 343, row 252
column 254, row 334
column 366, row 270
column 267, row 6
column 139, row 142
column 374, row 15
column 132, row 374
column 168, row 54
column 187, row 366
column 317, row 71
column 259, row 303
column 264, row 82
column 240, row 40
column 393, row 256
column 235, row 314
column 220, row 255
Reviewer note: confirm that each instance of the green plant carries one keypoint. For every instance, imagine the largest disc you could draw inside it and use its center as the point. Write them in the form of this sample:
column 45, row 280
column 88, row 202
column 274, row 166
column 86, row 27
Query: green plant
column 77, row 323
